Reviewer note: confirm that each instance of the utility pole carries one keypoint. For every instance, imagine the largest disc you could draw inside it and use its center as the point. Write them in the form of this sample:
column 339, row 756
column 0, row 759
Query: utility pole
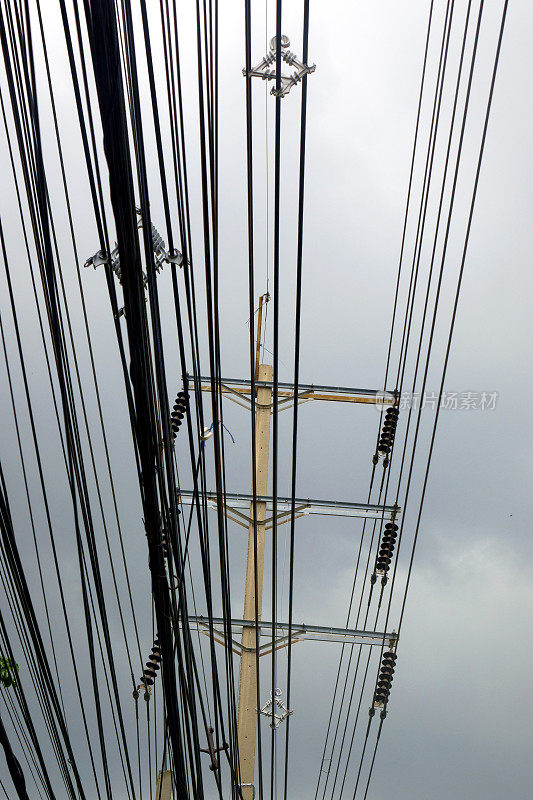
column 247, row 709
column 235, row 507
column 163, row 788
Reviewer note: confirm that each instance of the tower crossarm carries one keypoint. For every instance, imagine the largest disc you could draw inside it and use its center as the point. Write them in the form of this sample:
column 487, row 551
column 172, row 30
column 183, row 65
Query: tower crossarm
column 317, row 633
column 235, row 501
column 240, row 389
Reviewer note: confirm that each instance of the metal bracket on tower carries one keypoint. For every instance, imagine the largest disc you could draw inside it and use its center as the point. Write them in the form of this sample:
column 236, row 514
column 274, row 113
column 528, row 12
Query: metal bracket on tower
column 269, row 709
column 158, row 246
column 262, row 70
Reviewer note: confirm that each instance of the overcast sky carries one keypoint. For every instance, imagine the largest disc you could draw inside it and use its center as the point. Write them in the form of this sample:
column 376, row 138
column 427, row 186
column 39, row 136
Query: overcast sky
column 459, row 716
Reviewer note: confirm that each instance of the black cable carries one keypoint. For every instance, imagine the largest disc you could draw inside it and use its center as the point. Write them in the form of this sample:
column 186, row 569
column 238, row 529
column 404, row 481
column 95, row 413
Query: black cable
column 23, row 740
column 400, row 263
column 70, row 420
column 89, row 342
column 103, row 37
column 85, row 509
column 354, row 729
column 457, row 294
column 275, row 392
column 409, row 189
column 459, row 280
column 439, row 284
column 253, row 391
column 299, row 269
column 35, row 633
column 17, row 615
column 421, row 223
column 30, row 510
column 11, row 553
column 432, row 139
column 13, row 765
column 211, row 279
column 373, row 757
column 426, row 186
column 93, row 174
column 414, row 272
column 76, row 468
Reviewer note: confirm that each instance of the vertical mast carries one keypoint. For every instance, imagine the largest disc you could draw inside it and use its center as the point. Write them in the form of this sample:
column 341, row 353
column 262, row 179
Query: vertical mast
column 247, row 711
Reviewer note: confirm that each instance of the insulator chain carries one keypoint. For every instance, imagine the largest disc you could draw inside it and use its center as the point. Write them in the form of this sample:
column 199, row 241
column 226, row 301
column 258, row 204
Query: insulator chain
column 386, row 439
column 150, row 671
column 386, row 552
column 178, row 412
column 381, row 695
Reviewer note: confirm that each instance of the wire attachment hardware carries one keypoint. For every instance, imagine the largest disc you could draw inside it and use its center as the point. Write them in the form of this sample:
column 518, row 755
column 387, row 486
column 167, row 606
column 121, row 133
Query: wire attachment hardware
column 212, row 751
column 268, row 710
column 263, row 71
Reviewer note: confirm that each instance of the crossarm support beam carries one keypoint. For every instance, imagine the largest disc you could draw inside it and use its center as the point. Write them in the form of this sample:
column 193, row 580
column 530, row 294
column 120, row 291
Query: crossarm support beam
column 303, row 506
column 317, row 633
column 306, row 391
